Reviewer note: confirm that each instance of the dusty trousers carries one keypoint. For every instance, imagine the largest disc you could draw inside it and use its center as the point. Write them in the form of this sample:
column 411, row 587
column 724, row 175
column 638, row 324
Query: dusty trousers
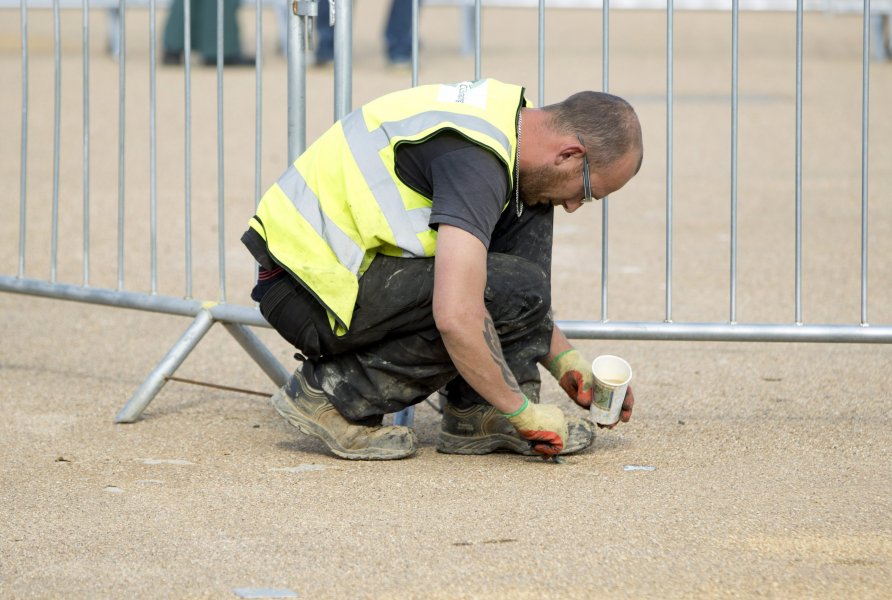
column 393, row 357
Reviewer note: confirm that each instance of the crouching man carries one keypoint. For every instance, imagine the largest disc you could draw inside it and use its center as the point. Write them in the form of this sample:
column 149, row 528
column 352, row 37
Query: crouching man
column 408, row 250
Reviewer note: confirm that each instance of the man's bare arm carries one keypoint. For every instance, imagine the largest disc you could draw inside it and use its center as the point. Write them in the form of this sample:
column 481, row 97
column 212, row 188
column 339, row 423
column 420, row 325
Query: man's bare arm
column 463, row 321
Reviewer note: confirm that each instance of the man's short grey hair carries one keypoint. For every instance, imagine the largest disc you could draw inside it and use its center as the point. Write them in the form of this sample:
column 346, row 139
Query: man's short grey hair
column 606, row 123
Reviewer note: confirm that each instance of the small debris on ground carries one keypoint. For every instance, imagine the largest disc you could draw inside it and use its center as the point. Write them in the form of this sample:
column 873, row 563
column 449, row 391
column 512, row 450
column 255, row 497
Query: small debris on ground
column 300, row 468
column 264, row 593
column 165, row 461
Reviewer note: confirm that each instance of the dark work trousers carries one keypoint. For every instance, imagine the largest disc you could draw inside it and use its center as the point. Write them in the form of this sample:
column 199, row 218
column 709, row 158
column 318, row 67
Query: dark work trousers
column 397, row 34
column 393, row 356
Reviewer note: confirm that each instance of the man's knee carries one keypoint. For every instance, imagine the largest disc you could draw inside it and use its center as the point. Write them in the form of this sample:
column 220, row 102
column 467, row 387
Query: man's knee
column 517, row 290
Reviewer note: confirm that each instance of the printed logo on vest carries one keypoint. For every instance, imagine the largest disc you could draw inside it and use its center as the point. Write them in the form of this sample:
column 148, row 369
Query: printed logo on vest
column 465, row 92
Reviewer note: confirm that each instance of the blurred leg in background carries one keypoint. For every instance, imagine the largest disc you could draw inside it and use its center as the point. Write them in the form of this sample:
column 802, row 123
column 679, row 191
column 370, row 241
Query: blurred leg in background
column 204, row 33
column 397, row 34
column 880, row 34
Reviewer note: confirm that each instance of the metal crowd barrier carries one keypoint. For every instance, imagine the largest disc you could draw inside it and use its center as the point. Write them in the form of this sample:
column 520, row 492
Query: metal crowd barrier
column 115, row 9
column 732, row 330
column 881, row 30
column 237, row 319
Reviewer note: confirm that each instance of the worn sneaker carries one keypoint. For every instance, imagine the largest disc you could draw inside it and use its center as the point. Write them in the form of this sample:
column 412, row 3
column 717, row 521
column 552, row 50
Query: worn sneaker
column 310, row 411
column 482, row 429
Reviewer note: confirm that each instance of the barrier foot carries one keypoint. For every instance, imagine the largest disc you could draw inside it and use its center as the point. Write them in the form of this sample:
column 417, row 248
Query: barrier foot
column 405, row 417
column 168, row 365
column 261, row 355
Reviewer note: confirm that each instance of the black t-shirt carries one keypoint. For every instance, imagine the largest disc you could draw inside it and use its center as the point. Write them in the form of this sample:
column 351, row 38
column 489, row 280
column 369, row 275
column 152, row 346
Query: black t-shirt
column 467, row 183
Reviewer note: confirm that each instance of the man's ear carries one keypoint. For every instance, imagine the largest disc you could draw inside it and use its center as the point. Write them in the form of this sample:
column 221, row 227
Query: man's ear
column 570, row 150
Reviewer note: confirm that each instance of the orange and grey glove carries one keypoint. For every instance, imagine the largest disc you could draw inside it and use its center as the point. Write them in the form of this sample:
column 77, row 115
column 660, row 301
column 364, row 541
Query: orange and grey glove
column 574, row 374
column 544, row 426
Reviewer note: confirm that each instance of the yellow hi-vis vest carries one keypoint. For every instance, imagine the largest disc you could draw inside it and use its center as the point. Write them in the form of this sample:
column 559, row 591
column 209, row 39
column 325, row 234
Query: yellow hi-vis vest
column 341, row 202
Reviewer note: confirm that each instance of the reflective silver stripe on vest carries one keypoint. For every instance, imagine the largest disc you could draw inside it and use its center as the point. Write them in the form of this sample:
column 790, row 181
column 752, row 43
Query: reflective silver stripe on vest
column 305, row 201
column 365, row 146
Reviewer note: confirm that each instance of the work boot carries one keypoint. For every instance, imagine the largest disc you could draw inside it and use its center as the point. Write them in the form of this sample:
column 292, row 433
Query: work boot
column 481, row 429
column 309, row 410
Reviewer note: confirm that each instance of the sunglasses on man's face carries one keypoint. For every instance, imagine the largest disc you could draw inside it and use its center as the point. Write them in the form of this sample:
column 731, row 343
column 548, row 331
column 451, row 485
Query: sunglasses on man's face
column 586, row 174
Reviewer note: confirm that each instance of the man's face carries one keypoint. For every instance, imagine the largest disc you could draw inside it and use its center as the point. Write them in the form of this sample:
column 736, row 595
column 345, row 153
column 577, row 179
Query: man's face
column 552, row 184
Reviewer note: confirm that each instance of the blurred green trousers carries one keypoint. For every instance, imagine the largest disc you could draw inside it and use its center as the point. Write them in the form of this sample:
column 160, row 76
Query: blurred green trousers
column 204, row 28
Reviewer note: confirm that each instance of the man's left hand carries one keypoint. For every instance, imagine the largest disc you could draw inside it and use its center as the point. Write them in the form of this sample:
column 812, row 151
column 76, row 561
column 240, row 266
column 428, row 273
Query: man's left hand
column 574, row 374
column 626, row 411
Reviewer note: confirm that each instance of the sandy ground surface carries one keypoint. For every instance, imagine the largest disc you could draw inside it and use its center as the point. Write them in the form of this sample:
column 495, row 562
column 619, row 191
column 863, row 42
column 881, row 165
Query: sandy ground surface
column 770, row 464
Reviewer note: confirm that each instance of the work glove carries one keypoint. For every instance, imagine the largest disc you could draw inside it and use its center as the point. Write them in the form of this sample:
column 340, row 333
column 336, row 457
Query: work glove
column 574, row 374
column 543, row 425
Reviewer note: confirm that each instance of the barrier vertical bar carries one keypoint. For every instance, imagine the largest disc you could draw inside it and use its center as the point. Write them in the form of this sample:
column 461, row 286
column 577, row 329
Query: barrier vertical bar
column 865, row 114
column 258, row 101
column 343, row 63
column 86, row 88
column 605, row 45
column 670, row 91
column 797, row 298
column 735, row 55
column 414, row 43
column 477, row 28
column 57, row 133
column 541, row 35
column 605, row 209
column 221, row 225
column 187, row 142
column 23, row 178
column 406, row 417
column 297, row 73
column 258, row 107
column 153, row 156
column 122, row 59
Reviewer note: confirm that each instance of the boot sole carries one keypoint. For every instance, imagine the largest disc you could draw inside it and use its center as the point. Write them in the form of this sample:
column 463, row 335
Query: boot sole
column 457, row 444
column 305, row 425
column 497, row 442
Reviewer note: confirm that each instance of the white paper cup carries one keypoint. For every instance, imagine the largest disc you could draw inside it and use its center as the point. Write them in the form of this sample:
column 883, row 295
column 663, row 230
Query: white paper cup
column 612, row 377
